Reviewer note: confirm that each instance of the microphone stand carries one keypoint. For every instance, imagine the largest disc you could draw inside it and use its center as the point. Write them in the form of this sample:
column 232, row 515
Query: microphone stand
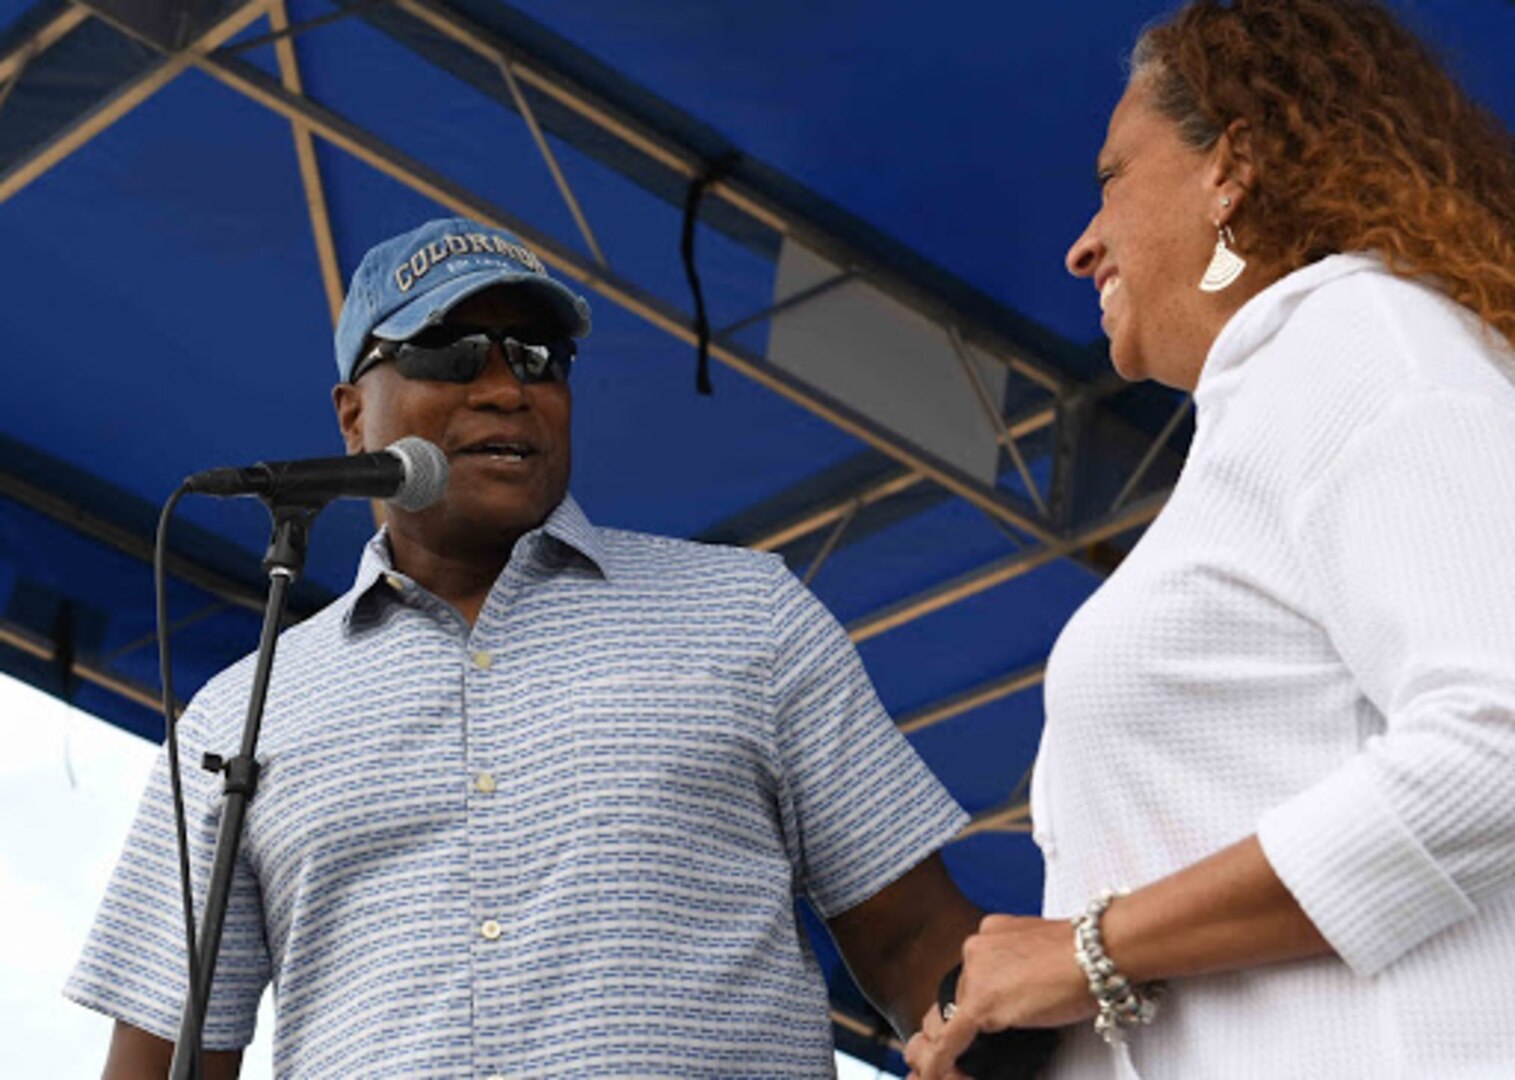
column 283, row 562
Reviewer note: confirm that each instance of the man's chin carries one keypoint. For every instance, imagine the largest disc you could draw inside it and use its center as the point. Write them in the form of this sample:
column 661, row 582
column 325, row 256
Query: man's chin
column 472, row 525
column 505, row 517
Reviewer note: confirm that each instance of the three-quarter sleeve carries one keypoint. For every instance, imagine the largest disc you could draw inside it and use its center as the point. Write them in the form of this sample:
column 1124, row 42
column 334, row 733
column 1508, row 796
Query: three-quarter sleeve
column 1408, row 538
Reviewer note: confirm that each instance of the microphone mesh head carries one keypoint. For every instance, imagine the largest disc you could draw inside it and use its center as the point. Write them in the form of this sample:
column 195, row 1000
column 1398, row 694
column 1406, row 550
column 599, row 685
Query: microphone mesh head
column 425, row 473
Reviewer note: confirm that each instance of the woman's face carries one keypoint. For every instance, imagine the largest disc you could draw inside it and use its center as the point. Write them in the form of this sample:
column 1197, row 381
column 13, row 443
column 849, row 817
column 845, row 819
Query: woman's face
column 1147, row 247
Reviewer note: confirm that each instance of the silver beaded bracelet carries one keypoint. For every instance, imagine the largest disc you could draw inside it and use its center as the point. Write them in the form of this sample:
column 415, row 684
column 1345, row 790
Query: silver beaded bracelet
column 1122, row 1004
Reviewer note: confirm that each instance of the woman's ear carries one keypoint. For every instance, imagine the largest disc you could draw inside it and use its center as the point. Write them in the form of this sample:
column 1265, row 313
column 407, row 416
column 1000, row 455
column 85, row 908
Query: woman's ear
column 1233, row 169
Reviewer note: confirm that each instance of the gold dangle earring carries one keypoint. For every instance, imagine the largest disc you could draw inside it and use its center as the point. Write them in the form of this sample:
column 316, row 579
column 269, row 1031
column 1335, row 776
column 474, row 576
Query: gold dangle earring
column 1225, row 265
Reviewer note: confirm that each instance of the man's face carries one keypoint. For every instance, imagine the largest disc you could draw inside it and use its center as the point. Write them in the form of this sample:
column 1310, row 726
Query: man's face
column 507, row 443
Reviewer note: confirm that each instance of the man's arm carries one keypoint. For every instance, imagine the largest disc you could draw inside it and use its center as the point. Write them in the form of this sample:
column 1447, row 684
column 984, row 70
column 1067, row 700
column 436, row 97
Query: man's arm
column 136, row 1055
column 901, row 941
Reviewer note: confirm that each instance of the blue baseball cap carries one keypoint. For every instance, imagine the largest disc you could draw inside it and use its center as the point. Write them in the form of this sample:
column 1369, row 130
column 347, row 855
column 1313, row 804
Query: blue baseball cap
column 413, row 280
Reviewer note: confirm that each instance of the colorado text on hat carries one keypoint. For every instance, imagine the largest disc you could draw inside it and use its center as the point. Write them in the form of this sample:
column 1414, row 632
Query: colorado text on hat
column 424, row 258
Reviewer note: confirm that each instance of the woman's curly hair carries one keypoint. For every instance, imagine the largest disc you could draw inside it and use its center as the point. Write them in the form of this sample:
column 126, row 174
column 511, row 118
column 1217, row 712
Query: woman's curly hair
column 1362, row 141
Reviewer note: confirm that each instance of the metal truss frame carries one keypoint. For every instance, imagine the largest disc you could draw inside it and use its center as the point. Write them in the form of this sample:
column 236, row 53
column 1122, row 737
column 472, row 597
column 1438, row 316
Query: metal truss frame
column 519, row 69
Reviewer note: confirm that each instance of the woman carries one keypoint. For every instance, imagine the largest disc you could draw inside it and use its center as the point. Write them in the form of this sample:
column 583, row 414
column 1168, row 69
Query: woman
column 1288, row 719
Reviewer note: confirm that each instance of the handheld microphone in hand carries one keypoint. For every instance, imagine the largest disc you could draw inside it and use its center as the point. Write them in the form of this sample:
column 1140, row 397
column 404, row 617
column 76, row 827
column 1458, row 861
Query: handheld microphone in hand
column 1011, row 1054
column 411, row 473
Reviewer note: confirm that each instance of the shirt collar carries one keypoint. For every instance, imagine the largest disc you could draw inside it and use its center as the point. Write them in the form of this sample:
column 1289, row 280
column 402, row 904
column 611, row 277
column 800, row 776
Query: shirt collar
column 567, row 527
column 1261, row 317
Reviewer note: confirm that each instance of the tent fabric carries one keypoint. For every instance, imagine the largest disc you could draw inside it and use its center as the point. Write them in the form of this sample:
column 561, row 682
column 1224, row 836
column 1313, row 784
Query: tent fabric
column 164, row 308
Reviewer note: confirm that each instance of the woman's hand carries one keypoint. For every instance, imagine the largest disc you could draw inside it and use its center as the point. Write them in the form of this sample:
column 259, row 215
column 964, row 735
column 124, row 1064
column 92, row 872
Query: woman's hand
column 1227, row 912
column 1017, row 972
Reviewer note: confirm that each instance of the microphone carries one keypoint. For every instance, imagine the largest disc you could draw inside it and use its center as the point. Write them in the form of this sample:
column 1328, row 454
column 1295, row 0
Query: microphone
column 1011, row 1054
column 411, row 473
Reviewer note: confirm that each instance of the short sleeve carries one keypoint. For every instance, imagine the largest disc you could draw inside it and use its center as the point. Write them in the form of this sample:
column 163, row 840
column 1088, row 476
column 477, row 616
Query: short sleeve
column 1408, row 538
column 859, row 806
column 133, row 966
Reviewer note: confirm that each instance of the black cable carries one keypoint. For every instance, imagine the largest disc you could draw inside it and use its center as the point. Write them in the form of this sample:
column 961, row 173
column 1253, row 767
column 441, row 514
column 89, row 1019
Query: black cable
column 171, row 730
column 718, row 169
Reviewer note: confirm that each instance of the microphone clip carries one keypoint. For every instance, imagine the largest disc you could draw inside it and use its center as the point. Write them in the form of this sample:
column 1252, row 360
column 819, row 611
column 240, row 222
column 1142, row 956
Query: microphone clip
column 293, row 521
column 241, row 772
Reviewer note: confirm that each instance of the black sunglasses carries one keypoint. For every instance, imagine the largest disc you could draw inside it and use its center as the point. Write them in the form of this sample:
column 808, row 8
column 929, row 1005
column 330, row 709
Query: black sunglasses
column 457, row 354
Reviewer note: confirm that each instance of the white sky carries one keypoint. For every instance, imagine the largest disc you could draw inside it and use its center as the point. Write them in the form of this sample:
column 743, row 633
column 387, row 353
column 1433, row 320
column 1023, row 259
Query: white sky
column 68, row 786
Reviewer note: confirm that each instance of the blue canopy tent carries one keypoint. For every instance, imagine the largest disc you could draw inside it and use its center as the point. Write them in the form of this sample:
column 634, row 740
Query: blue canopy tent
column 911, row 399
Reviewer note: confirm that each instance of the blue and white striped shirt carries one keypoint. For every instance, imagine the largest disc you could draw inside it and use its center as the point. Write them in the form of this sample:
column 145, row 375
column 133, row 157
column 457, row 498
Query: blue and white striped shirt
column 566, row 841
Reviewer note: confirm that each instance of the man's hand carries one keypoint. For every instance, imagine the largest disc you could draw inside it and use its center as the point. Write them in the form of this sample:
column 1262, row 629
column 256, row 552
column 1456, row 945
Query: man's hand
column 1017, row 972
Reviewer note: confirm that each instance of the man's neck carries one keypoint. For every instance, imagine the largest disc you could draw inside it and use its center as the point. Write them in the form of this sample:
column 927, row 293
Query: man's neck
column 463, row 577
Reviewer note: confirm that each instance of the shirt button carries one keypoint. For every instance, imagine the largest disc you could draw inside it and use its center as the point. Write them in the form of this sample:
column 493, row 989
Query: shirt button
column 482, row 660
column 395, row 582
column 484, row 783
column 490, row 929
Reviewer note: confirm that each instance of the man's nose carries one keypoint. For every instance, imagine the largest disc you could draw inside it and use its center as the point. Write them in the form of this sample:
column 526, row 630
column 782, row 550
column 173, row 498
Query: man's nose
column 497, row 384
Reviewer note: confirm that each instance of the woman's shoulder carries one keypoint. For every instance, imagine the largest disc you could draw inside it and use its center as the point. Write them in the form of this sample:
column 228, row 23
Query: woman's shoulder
column 1356, row 354
column 1382, row 333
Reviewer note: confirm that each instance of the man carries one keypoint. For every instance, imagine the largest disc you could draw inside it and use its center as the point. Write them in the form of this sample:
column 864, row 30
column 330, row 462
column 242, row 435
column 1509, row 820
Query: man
column 536, row 797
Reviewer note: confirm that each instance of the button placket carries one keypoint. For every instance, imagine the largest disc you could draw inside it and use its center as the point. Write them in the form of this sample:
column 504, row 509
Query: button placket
column 487, row 813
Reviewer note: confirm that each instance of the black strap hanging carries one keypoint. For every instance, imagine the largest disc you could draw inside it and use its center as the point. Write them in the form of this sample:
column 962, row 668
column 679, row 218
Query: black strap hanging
column 64, row 647
column 715, row 171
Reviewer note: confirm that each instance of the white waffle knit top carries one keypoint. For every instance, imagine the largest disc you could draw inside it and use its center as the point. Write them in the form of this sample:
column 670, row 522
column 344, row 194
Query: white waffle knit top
column 1315, row 643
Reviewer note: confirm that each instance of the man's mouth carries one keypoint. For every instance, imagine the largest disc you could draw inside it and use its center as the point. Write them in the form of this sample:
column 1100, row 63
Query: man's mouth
column 503, row 450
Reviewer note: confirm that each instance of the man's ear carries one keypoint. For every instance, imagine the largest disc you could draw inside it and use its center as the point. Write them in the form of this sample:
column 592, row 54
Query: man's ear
column 348, row 400
column 1233, row 168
